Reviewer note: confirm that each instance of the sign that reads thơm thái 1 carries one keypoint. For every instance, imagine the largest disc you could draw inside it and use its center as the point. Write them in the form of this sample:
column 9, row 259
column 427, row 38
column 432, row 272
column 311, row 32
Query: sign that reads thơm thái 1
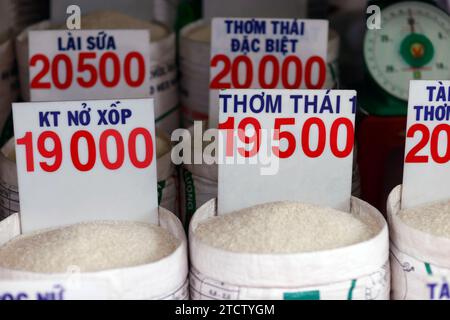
column 98, row 64
column 426, row 176
column 266, row 53
column 82, row 161
column 285, row 145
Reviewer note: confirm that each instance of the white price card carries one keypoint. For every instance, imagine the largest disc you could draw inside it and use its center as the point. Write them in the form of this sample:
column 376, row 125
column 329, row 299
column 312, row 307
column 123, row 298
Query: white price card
column 98, row 64
column 266, row 53
column 426, row 174
column 85, row 160
column 277, row 145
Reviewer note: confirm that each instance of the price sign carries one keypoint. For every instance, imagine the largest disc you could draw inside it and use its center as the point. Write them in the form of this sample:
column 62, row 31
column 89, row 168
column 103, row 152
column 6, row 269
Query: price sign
column 81, row 161
column 426, row 173
column 266, row 53
column 67, row 65
column 285, row 145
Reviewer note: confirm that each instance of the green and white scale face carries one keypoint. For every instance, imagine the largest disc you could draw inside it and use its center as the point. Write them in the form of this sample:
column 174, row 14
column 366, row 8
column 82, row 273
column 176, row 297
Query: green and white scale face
column 412, row 44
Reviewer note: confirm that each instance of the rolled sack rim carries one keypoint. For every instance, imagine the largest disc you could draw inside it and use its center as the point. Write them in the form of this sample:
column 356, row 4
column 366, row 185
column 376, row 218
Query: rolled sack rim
column 291, row 270
column 8, row 168
column 162, row 47
column 187, row 29
column 194, row 50
column 416, row 243
column 158, row 277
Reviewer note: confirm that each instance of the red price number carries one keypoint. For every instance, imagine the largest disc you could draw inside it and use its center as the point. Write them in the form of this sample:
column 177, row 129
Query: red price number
column 270, row 72
column 88, row 70
column 431, row 138
column 252, row 142
column 49, row 148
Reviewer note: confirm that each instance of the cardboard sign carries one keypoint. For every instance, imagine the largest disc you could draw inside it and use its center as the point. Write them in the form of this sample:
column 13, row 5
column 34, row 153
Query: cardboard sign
column 285, row 145
column 83, row 161
column 426, row 175
column 266, row 53
column 99, row 64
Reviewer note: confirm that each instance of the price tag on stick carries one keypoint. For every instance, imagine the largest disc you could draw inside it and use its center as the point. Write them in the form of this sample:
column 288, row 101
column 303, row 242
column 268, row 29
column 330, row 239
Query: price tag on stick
column 426, row 175
column 99, row 64
column 266, row 53
column 285, row 145
column 80, row 161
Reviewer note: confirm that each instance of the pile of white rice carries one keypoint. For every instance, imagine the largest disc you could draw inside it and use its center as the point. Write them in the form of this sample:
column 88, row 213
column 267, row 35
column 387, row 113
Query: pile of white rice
column 433, row 219
column 284, row 227
column 89, row 247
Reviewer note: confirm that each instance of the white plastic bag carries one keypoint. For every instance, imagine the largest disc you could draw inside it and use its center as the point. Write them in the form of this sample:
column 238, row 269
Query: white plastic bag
column 420, row 262
column 359, row 271
column 163, row 279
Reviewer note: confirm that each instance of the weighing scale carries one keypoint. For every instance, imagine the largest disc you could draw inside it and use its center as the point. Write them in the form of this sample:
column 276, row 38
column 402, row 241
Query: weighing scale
column 412, row 44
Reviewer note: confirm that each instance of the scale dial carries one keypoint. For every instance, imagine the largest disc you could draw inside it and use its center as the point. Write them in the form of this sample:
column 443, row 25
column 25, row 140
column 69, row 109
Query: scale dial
column 412, row 44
